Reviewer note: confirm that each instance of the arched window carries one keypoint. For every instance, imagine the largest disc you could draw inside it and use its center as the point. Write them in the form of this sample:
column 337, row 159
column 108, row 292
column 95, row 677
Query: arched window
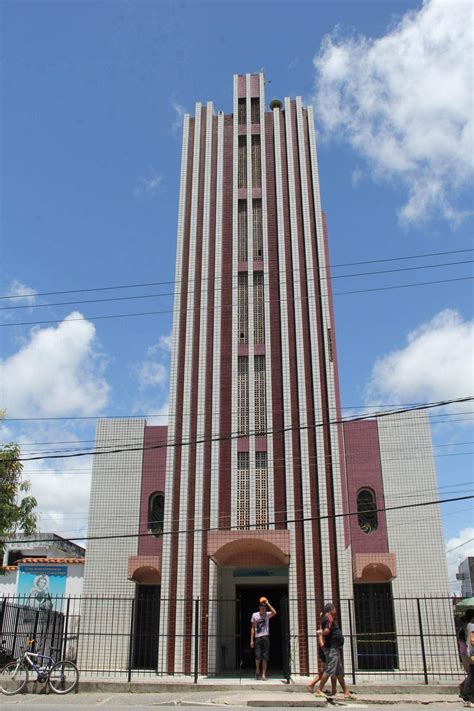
column 366, row 510
column 156, row 513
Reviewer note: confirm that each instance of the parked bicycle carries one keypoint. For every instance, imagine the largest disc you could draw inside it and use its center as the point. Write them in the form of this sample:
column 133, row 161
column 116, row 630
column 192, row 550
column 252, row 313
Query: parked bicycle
column 61, row 677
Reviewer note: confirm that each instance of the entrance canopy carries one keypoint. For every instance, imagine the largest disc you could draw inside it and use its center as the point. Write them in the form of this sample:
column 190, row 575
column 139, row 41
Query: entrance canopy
column 374, row 567
column 249, row 548
column 145, row 569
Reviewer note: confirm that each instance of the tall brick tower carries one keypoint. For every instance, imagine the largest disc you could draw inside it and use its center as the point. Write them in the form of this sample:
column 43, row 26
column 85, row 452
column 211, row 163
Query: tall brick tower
column 254, row 384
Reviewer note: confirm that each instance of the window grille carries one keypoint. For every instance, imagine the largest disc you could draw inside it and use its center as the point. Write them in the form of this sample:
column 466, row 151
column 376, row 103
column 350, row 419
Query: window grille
column 243, row 490
column 260, row 409
column 242, row 163
column 257, row 229
column 242, row 112
column 243, row 308
column 242, row 230
column 156, row 513
column 243, row 395
column 366, row 510
column 256, row 162
column 258, row 308
column 261, row 490
column 255, row 110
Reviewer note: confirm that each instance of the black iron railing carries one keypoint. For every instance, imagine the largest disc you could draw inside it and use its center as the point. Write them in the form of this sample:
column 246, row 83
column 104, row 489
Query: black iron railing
column 406, row 638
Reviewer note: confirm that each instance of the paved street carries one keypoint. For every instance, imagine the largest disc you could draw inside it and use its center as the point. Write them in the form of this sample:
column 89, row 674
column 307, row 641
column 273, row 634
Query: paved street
column 205, row 699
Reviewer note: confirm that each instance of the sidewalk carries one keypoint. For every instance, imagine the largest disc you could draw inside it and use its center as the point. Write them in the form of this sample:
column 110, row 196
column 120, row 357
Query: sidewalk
column 271, row 693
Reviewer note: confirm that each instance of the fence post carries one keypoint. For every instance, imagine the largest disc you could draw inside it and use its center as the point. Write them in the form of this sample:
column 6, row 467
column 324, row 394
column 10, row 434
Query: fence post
column 423, row 652
column 66, row 627
column 285, row 605
column 2, row 613
column 35, row 646
column 353, row 641
column 130, row 644
column 196, row 640
column 15, row 631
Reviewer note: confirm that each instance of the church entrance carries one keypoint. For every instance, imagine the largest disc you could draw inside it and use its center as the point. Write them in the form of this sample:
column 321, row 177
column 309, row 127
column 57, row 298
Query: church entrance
column 247, row 597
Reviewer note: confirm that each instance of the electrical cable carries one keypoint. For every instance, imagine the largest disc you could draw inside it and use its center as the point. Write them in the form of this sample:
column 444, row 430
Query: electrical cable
column 222, row 307
column 255, row 526
column 425, row 406
column 166, row 283
column 191, row 291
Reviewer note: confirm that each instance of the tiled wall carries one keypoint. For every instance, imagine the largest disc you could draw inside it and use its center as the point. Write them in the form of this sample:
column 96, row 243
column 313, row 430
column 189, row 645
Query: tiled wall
column 114, row 511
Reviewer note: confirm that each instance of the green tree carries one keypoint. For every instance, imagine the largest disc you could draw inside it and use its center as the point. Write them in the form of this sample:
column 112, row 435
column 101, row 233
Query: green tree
column 16, row 508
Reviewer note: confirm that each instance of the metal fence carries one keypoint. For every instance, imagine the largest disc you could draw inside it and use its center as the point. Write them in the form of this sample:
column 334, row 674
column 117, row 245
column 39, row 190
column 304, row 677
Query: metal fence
column 411, row 638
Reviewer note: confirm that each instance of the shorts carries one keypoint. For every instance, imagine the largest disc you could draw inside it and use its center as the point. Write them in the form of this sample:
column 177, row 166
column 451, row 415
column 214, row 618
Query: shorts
column 321, row 655
column 262, row 647
column 333, row 661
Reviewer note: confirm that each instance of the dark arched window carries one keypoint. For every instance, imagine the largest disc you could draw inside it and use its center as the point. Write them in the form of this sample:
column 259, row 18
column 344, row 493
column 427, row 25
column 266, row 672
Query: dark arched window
column 366, row 510
column 156, row 513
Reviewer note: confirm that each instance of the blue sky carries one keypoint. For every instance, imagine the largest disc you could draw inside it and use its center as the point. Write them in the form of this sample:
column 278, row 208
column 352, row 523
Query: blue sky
column 92, row 100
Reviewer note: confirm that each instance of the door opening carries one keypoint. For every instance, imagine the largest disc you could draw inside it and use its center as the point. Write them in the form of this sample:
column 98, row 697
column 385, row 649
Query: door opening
column 375, row 624
column 247, row 597
column 147, row 620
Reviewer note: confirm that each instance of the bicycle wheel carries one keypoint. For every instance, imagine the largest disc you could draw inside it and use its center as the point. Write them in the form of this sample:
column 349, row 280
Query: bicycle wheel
column 63, row 677
column 13, row 678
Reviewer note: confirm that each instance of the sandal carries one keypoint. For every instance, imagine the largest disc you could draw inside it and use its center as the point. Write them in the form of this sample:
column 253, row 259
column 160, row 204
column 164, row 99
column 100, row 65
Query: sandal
column 350, row 695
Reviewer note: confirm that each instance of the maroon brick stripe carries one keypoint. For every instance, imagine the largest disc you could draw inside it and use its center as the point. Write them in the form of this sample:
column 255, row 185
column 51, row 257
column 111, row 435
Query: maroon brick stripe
column 342, row 458
column 315, row 492
column 326, row 413
column 192, row 398
column 179, row 408
column 279, row 483
column 226, row 331
column 204, row 611
column 299, row 531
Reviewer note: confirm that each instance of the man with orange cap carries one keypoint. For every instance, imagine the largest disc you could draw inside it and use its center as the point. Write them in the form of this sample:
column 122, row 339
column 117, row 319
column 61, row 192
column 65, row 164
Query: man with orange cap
column 260, row 636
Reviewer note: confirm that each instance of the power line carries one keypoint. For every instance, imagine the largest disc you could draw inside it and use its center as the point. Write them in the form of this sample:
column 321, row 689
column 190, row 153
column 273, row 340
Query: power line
column 255, row 526
column 81, row 526
column 425, row 406
column 129, row 416
column 229, row 306
column 460, row 545
column 120, row 439
column 191, row 291
column 166, row 283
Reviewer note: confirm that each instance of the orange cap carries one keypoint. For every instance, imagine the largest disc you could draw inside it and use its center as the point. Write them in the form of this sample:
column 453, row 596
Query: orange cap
column 263, row 600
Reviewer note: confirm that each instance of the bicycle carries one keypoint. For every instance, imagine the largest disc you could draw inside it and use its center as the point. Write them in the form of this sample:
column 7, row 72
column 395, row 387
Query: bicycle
column 61, row 677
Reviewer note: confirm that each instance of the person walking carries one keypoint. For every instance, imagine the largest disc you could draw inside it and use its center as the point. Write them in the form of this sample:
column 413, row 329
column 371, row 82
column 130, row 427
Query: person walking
column 468, row 691
column 333, row 643
column 260, row 636
column 462, row 647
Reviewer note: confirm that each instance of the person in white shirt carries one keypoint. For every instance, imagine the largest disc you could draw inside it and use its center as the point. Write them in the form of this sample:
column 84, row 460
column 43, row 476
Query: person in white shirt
column 260, row 636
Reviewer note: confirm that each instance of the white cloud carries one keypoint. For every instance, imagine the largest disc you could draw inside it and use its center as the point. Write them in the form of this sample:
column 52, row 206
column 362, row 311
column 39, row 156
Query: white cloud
column 456, row 552
column 404, row 103
column 179, row 112
column 24, row 295
column 151, row 374
column 151, row 371
column 435, row 364
column 165, row 343
column 63, row 498
column 57, row 372
column 152, row 184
